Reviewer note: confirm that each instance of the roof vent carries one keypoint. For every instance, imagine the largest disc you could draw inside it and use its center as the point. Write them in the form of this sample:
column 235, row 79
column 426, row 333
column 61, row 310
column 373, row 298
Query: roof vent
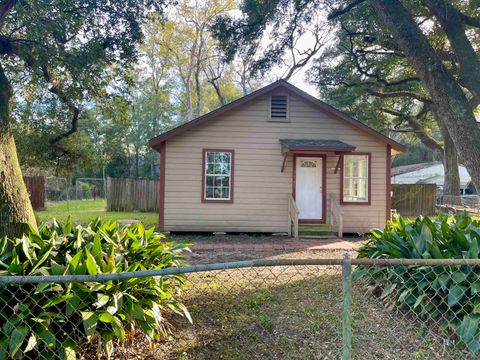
column 278, row 107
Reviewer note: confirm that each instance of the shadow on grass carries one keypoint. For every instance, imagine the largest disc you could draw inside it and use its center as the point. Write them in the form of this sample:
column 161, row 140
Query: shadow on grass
column 286, row 313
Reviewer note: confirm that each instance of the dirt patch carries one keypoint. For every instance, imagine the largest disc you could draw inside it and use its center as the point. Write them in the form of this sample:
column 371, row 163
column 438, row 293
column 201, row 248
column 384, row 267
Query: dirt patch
column 223, row 248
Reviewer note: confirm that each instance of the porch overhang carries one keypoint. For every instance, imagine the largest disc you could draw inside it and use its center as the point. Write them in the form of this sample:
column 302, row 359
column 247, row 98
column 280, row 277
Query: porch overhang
column 304, row 146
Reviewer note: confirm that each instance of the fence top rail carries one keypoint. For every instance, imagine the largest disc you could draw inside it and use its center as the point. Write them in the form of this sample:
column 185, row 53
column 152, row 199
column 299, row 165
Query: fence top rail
column 232, row 265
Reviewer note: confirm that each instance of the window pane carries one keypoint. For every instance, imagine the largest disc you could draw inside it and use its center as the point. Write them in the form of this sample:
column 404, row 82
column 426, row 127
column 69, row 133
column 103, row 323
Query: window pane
column 210, row 157
column 210, row 180
column 209, row 192
column 210, row 168
column 226, row 181
column 218, row 181
column 225, row 193
column 355, row 178
column 217, row 175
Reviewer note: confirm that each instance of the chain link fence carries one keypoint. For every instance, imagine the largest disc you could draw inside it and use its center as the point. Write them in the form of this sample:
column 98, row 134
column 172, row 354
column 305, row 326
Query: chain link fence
column 58, row 189
column 256, row 309
column 454, row 204
column 90, row 188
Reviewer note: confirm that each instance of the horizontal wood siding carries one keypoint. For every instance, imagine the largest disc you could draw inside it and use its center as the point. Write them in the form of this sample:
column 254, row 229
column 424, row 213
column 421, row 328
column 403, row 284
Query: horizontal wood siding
column 261, row 189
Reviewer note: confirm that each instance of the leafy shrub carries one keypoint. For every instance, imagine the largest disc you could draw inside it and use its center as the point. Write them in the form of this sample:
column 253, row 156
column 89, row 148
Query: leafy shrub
column 86, row 190
column 48, row 320
column 448, row 295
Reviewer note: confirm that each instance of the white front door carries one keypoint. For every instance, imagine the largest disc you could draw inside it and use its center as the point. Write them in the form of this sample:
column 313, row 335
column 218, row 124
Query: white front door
column 309, row 187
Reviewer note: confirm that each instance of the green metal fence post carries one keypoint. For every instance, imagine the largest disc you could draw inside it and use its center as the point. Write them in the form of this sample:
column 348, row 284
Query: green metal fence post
column 346, row 310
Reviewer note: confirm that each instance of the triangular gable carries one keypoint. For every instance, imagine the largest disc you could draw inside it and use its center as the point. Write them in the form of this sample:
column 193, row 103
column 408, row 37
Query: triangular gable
column 156, row 141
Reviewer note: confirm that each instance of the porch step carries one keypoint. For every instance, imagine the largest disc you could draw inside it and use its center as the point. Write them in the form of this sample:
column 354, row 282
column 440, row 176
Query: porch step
column 318, row 231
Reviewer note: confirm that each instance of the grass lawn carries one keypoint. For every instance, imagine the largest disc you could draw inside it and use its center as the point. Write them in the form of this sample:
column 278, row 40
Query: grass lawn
column 84, row 211
column 287, row 313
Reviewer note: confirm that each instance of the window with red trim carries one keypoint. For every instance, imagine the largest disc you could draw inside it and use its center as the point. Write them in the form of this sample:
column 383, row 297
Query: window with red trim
column 355, row 178
column 218, row 175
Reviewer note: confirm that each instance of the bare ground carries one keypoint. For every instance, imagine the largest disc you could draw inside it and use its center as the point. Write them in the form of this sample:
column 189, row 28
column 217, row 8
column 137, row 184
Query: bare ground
column 283, row 312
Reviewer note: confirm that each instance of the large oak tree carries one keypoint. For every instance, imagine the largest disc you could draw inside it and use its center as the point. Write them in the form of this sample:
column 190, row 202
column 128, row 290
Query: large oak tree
column 65, row 47
column 366, row 74
column 454, row 94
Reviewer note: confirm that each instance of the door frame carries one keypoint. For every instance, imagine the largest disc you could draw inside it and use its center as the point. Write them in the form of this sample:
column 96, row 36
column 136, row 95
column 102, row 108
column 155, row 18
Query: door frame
column 324, row 186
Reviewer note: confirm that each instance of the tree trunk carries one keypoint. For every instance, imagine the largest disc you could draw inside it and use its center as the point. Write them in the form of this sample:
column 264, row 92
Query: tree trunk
column 451, row 184
column 451, row 21
column 452, row 105
column 15, row 207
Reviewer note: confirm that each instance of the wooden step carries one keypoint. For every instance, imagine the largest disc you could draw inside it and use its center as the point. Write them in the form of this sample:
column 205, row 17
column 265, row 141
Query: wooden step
column 316, row 231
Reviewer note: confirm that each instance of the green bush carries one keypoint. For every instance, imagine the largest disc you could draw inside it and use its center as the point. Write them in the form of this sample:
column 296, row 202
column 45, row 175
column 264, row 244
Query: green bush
column 447, row 295
column 86, row 190
column 59, row 319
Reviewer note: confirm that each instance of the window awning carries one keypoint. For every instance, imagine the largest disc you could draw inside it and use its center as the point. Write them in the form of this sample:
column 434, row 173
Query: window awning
column 306, row 146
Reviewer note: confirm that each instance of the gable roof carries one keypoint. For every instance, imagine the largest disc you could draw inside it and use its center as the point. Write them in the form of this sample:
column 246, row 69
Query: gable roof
column 156, row 141
column 404, row 169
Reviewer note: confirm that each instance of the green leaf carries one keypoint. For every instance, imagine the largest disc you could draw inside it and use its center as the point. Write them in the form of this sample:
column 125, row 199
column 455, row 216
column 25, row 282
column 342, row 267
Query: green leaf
column 68, row 225
column 388, row 290
column 467, row 331
column 418, row 301
column 26, row 248
column 48, row 339
column 3, row 348
column 91, row 263
column 473, row 251
column 455, row 294
column 32, row 342
column 70, row 353
column 16, row 339
column 102, row 299
column 75, row 261
column 443, row 280
column 475, row 287
column 105, row 317
column 79, row 241
column 459, row 276
column 90, row 320
column 97, row 248
column 42, row 259
column 118, row 329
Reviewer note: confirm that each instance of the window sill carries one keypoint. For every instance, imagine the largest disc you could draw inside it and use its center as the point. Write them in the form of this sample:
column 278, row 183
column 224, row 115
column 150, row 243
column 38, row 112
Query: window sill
column 211, row 201
column 278, row 121
column 355, row 202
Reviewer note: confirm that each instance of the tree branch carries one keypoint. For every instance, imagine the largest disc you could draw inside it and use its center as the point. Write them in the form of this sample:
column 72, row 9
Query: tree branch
column 5, row 7
column 394, row 94
column 413, row 122
column 56, row 88
column 339, row 12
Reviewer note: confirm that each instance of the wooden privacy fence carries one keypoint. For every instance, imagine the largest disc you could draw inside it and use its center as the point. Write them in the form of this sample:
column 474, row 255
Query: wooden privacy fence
column 414, row 199
column 36, row 190
column 132, row 195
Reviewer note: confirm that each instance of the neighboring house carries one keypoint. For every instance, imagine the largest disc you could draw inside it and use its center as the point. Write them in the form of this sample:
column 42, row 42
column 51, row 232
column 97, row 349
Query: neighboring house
column 430, row 173
column 237, row 168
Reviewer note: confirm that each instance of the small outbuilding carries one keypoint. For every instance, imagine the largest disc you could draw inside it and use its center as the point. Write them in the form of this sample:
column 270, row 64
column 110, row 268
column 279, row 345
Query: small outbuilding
column 251, row 164
column 431, row 173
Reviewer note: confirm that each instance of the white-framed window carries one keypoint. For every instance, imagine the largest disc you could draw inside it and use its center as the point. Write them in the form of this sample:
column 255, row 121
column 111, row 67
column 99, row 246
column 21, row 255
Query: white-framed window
column 218, row 175
column 356, row 178
column 278, row 107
